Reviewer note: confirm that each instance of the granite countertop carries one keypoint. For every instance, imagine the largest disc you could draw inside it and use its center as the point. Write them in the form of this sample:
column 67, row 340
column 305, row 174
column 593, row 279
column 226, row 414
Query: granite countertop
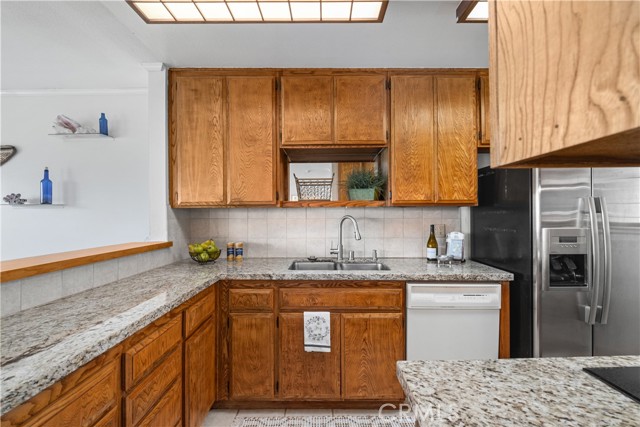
column 510, row 392
column 42, row 345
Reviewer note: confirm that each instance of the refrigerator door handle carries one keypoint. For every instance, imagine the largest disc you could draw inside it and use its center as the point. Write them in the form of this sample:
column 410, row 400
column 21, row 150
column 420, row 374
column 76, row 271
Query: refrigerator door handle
column 591, row 310
column 606, row 246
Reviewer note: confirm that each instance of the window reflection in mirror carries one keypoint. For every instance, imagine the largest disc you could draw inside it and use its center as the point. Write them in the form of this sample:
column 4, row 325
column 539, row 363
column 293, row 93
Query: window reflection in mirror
column 320, row 173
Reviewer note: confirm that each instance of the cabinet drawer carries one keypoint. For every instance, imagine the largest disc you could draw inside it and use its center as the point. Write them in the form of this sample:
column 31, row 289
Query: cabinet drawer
column 250, row 299
column 142, row 357
column 150, row 390
column 109, row 420
column 168, row 412
column 200, row 311
column 370, row 299
column 89, row 404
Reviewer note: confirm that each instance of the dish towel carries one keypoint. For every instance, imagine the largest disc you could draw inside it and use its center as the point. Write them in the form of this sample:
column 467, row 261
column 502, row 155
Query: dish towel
column 317, row 331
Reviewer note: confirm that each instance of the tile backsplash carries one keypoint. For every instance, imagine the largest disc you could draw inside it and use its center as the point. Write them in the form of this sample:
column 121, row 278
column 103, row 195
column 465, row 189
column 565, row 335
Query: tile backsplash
column 301, row 232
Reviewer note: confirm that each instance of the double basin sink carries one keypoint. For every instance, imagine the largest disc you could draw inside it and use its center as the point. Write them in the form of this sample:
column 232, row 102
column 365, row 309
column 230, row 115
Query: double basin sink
column 335, row 265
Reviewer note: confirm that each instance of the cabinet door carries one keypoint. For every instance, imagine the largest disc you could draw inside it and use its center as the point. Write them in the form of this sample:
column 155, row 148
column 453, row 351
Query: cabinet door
column 252, row 143
column 308, row 375
column 199, row 374
column 361, row 110
column 485, row 129
column 373, row 343
column 196, row 162
column 457, row 139
column 307, row 110
column 252, row 355
column 413, row 145
column 565, row 81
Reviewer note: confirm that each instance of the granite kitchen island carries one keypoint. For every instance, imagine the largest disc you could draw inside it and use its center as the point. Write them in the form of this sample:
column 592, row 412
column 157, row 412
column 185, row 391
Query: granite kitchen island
column 510, row 392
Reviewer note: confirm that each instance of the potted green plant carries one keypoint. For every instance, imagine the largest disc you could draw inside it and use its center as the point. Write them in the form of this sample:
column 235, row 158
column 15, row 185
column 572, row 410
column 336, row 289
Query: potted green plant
column 365, row 184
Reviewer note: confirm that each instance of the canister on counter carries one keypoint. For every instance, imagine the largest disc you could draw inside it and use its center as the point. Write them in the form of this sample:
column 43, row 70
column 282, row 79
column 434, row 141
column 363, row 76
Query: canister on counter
column 230, row 251
column 239, row 251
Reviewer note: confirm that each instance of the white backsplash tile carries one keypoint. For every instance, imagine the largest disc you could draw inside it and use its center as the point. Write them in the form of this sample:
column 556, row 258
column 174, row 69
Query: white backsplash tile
column 78, row 279
column 10, row 295
column 41, row 289
column 238, row 229
column 393, row 227
column 300, row 232
column 128, row 266
column 296, row 228
column 238, row 213
column 257, row 228
column 107, row 271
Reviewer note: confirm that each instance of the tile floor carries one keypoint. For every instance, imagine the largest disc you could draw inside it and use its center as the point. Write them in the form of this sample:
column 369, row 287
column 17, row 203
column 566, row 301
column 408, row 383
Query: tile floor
column 226, row 417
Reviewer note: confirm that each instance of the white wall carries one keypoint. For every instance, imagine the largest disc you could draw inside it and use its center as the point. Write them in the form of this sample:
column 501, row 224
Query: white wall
column 103, row 183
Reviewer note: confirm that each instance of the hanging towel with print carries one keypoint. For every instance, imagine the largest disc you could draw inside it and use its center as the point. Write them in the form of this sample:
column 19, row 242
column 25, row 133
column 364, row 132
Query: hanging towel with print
column 317, row 331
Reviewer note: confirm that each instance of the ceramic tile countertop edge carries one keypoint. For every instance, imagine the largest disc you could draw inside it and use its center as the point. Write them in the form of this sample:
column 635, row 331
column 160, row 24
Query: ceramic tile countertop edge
column 511, row 392
column 42, row 345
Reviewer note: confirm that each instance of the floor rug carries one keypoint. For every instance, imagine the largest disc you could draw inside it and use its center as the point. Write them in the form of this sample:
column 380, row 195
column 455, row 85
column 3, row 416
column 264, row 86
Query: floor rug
column 326, row 421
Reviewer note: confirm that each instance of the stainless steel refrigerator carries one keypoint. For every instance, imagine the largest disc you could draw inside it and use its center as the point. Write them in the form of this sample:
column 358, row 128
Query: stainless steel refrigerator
column 571, row 237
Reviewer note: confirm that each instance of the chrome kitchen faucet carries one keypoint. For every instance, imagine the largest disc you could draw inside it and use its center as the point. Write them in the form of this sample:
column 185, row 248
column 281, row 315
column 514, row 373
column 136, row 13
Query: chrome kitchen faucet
column 340, row 249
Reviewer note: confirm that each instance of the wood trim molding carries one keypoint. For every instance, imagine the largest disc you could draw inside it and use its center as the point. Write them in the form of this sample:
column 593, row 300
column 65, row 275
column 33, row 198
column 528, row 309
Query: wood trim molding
column 26, row 267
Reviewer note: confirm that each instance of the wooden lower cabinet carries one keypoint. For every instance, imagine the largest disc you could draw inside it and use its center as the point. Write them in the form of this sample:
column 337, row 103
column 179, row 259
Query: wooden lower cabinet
column 252, row 354
column 373, row 343
column 199, row 374
column 307, row 375
column 139, row 382
column 266, row 360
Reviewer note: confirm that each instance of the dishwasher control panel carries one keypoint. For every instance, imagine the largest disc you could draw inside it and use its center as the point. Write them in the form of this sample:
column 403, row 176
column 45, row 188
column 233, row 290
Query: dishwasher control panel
column 453, row 296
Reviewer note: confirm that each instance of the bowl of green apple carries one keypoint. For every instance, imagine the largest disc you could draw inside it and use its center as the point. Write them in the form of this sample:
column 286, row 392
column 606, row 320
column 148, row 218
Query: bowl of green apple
column 204, row 252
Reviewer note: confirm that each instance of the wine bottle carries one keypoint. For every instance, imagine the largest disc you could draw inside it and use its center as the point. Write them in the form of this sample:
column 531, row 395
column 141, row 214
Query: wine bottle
column 432, row 245
column 46, row 189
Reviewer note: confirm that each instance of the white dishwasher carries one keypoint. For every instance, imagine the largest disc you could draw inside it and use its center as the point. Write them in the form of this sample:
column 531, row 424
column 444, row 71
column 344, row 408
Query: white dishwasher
column 453, row 321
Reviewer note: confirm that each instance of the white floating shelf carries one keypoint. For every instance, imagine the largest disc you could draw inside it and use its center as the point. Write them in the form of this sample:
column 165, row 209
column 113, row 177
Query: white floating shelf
column 34, row 205
column 82, row 135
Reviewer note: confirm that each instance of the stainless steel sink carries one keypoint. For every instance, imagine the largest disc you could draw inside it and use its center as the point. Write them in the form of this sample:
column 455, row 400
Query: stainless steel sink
column 334, row 265
column 362, row 266
column 313, row 265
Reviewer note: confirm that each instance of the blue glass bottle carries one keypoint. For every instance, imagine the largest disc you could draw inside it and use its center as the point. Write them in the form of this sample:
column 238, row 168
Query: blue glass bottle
column 46, row 188
column 104, row 125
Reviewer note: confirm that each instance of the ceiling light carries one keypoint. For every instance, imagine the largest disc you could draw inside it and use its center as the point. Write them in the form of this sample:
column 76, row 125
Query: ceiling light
column 473, row 11
column 184, row 11
column 275, row 11
column 245, row 11
column 367, row 10
column 336, row 11
column 305, row 11
column 153, row 12
column 217, row 11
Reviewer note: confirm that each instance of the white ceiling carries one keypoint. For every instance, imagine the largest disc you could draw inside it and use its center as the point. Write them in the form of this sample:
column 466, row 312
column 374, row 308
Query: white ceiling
column 90, row 44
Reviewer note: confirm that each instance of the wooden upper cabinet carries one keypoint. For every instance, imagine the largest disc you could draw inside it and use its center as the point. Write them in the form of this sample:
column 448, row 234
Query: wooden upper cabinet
column 307, row 110
column 484, row 112
column 564, row 83
column 413, row 140
column 222, row 139
column 434, row 140
column 457, row 139
column 361, row 110
column 334, row 109
column 373, row 343
column 197, row 141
